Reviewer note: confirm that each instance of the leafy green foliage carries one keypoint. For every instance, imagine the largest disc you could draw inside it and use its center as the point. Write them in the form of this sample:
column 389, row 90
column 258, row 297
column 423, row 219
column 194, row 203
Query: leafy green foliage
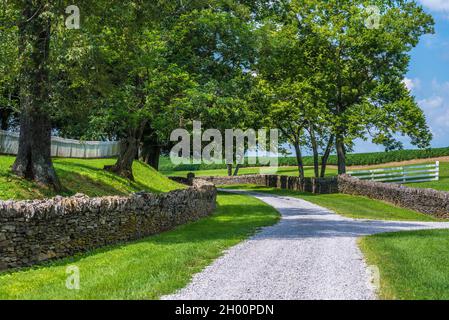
column 9, row 65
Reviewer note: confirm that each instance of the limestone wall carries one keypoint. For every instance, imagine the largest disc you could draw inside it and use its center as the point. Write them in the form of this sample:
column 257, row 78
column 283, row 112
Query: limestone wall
column 314, row 185
column 39, row 230
column 428, row 201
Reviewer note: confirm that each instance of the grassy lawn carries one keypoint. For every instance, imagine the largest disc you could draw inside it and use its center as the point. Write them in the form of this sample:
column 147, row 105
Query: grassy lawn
column 288, row 171
column 149, row 268
column 347, row 205
column 413, row 265
column 85, row 176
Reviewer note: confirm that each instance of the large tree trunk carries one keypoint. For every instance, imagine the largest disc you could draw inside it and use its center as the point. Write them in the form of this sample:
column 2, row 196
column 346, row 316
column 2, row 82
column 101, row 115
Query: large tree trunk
column 124, row 165
column 316, row 157
column 151, row 154
column 229, row 167
column 34, row 156
column 151, row 149
column 299, row 161
column 237, row 168
column 326, row 155
column 341, row 154
column 5, row 114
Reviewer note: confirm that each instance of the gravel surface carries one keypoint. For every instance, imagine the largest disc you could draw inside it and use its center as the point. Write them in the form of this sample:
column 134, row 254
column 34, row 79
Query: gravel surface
column 311, row 253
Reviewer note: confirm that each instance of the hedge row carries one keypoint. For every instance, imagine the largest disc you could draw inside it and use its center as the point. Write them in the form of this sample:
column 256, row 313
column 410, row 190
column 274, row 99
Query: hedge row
column 352, row 159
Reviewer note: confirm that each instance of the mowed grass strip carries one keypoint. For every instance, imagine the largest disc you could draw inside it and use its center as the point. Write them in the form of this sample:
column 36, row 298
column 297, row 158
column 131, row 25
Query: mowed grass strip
column 149, row 268
column 84, row 176
column 413, row 265
column 347, row 205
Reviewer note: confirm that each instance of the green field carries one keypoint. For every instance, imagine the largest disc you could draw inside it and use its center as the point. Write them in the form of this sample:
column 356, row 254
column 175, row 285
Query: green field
column 148, row 268
column 84, row 176
column 354, row 159
column 413, row 265
column 347, row 205
column 288, row 171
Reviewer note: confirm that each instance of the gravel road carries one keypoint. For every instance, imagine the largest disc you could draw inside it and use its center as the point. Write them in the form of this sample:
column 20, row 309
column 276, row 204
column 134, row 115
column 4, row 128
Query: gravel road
column 310, row 254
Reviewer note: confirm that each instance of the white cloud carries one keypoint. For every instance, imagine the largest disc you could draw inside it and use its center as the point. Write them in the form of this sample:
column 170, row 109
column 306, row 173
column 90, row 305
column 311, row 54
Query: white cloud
column 412, row 84
column 436, row 109
column 436, row 5
column 443, row 119
column 440, row 86
column 431, row 103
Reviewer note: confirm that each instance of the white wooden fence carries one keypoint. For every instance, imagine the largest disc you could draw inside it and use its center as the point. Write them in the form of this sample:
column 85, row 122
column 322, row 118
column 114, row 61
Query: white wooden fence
column 401, row 175
column 64, row 148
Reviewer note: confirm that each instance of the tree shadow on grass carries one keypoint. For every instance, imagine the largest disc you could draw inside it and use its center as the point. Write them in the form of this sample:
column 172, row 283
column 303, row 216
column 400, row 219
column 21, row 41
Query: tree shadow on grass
column 74, row 182
column 117, row 180
column 75, row 178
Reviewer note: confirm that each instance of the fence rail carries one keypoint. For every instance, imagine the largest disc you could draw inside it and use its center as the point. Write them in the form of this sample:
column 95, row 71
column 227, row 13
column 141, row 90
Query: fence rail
column 64, row 148
column 401, row 175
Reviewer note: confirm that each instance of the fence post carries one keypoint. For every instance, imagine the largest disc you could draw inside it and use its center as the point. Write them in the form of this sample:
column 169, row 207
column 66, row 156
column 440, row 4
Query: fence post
column 404, row 174
column 437, row 166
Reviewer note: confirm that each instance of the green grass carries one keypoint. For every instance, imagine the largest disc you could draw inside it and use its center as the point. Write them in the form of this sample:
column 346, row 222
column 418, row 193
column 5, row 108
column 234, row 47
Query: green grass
column 413, row 265
column 348, row 205
column 288, row 171
column 84, row 176
column 149, row 268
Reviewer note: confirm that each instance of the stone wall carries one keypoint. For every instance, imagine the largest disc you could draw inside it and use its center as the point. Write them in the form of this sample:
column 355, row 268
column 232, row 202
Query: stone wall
column 314, row 185
column 259, row 180
column 39, row 230
column 427, row 201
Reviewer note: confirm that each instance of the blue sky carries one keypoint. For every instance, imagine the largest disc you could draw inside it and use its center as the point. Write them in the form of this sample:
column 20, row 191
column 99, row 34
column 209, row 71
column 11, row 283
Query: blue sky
column 428, row 77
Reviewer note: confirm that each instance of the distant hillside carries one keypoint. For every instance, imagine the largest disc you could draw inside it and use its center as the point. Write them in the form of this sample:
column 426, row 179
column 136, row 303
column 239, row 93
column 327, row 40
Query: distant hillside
column 352, row 159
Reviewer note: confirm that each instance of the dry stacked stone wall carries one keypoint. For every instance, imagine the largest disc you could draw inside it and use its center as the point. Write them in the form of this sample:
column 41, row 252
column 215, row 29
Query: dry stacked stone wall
column 40, row 230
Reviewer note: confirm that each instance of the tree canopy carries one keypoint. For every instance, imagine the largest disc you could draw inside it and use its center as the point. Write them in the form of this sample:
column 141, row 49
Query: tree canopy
column 324, row 73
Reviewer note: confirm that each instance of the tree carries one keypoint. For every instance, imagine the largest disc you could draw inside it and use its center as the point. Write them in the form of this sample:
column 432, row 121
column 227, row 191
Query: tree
column 217, row 45
column 133, row 82
column 160, row 66
column 8, row 67
column 33, row 160
column 363, row 64
column 335, row 76
column 294, row 85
